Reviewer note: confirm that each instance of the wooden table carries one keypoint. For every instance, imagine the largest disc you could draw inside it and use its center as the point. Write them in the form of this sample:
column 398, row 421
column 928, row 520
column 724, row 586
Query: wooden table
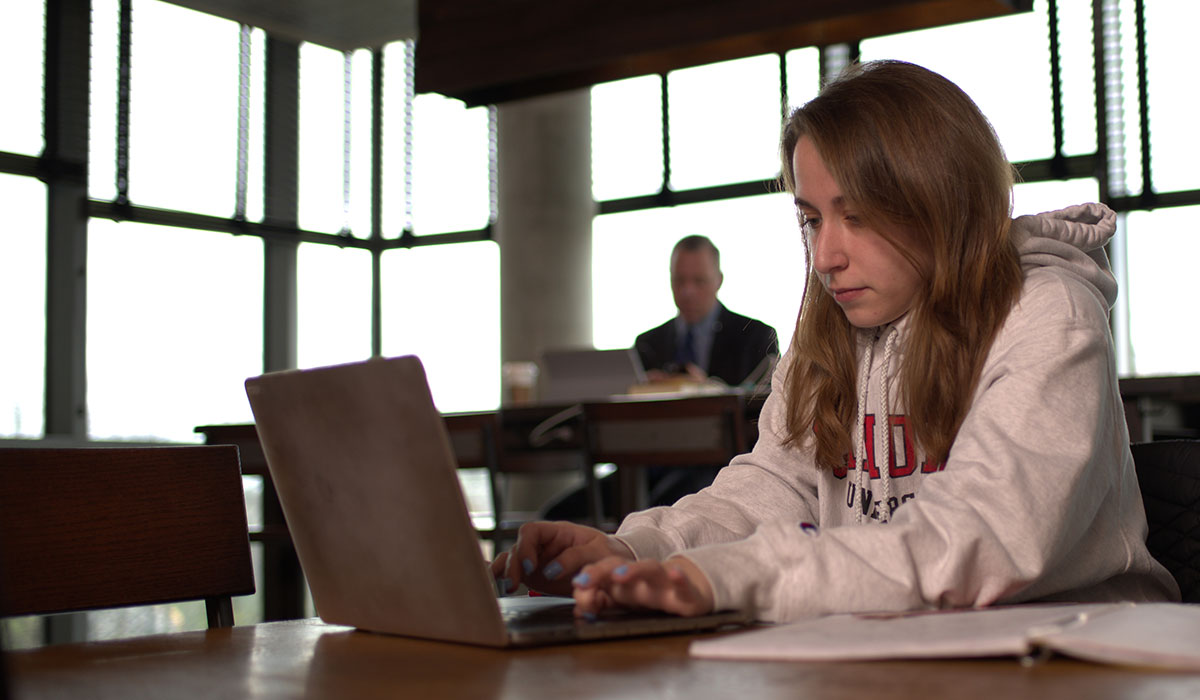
column 309, row 659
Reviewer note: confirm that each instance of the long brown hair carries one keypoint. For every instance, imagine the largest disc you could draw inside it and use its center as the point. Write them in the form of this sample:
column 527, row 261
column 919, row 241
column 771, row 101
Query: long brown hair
column 911, row 151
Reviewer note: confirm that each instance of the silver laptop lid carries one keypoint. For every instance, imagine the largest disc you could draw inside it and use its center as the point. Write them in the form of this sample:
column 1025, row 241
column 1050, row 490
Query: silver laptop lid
column 366, row 478
column 587, row 374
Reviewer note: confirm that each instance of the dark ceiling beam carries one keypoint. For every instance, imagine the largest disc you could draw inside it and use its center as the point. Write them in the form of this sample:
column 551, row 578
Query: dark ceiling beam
column 344, row 25
column 488, row 51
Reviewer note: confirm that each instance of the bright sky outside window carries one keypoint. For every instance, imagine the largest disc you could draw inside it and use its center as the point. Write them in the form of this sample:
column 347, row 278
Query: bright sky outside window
column 627, row 138
column 1173, row 117
column 1037, row 197
column 724, row 122
column 102, row 102
column 174, row 326
column 1076, row 54
column 450, row 166
column 1011, row 85
column 1162, row 249
column 21, row 29
column 23, row 287
column 333, row 305
column 396, row 136
column 183, row 109
column 442, row 303
column 803, row 75
column 322, row 141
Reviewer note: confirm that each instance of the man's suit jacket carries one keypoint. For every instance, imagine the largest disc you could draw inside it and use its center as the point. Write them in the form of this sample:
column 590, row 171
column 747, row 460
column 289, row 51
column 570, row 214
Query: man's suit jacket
column 739, row 346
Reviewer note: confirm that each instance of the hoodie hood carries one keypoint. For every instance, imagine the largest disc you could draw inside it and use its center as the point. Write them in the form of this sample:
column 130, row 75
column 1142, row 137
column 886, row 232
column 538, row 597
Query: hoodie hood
column 1073, row 240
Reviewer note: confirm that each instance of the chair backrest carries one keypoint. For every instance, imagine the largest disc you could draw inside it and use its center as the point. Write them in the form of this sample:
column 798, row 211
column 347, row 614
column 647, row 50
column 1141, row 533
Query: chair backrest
column 473, row 439
column 1169, row 475
column 696, row 431
column 511, row 443
column 90, row 528
column 699, row 430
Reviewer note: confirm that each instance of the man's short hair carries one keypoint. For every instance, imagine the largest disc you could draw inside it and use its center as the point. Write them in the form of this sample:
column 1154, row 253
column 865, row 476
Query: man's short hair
column 697, row 242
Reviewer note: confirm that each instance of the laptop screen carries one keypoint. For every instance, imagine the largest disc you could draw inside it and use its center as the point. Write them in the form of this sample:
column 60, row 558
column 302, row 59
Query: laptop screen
column 587, row 374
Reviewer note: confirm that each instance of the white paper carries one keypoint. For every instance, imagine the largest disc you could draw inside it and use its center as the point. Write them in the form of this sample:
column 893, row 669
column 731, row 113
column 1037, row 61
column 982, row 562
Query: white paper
column 999, row 631
column 1160, row 635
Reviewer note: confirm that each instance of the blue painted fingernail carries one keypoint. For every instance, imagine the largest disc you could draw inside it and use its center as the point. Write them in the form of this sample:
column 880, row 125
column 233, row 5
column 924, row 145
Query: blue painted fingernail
column 581, row 580
column 621, row 570
column 552, row 571
column 589, row 616
column 527, row 566
column 506, row 585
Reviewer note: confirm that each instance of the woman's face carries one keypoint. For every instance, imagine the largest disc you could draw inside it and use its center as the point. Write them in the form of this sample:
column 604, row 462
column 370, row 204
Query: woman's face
column 865, row 274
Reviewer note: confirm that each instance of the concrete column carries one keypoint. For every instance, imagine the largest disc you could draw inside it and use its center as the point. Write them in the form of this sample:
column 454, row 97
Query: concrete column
column 544, row 229
column 280, row 204
column 544, row 224
column 68, row 31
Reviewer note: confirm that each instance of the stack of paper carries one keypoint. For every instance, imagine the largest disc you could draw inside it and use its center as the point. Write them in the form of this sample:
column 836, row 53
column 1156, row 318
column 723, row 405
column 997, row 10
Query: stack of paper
column 1160, row 635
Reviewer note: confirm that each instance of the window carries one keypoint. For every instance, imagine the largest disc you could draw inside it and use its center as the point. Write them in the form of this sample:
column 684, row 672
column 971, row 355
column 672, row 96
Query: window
column 450, row 166
column 21, row 45
column 441, row 303
column 327, row 202
column 627, row 153
column 724, row 122
column 1005, row 65
column 23, row 287
column 803, row 76
column 333, row 305
column 183, row 109
column 1163, row 246
column 982, row 59
column 1172, row 112
column 174, row 327
column 1037, row 197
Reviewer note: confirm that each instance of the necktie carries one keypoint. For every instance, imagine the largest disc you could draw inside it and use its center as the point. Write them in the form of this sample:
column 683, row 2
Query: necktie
column 686, row 351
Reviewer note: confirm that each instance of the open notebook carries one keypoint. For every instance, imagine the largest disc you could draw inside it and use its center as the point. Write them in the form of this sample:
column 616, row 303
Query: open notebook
column 1158, row 635
column 366, row 477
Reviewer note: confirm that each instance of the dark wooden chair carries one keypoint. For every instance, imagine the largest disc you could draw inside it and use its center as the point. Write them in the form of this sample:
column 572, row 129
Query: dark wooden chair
column 474, row 439
column 516, row 442
column 91, row 528
column 696, row 431
column 1169, row 476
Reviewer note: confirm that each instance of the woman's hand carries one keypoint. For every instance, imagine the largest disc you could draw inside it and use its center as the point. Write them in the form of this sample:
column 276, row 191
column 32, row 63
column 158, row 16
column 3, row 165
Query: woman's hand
column 675, row 586
column 547, row 555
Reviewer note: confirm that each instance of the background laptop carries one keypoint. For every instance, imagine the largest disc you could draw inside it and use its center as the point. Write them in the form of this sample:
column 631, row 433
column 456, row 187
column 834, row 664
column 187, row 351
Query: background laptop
column 366, row 477
column 587, row 374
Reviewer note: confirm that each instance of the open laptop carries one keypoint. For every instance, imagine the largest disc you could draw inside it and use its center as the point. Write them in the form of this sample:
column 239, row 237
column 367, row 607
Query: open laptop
column 582, row 374
column 363, row 467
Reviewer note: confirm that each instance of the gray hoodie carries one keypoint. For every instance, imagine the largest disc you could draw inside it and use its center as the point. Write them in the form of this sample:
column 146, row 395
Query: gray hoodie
column 1038, row 499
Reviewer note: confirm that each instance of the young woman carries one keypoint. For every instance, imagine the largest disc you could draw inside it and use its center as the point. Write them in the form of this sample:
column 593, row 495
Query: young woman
column 945, row 429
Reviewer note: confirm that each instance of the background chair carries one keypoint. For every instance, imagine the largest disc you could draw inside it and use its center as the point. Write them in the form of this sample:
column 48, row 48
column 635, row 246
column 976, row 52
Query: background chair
column 90, row 528
column 522, row 442
column 1169, row 475
column 473, row 438
column 692, row 432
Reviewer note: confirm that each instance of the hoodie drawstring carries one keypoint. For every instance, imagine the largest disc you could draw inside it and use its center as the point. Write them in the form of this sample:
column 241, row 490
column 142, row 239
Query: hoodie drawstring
column 884, row 464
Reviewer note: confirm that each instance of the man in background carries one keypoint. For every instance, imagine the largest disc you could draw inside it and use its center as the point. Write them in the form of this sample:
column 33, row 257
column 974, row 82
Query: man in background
column 706, row 340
